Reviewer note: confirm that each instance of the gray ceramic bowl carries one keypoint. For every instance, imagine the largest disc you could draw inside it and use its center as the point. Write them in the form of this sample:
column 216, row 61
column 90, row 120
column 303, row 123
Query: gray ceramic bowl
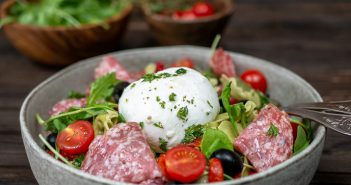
column 284, row 86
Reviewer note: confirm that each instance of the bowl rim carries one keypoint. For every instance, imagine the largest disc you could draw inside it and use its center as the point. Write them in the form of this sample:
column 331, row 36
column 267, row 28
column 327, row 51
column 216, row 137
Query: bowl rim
column 227, row 11
column 319, row 134
column 4, row 7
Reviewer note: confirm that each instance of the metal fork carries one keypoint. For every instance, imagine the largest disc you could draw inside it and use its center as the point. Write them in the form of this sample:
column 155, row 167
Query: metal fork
column 333, row 115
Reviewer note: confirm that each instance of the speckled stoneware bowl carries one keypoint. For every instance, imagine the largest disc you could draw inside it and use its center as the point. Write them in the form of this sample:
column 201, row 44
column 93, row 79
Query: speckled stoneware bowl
column 284, row 86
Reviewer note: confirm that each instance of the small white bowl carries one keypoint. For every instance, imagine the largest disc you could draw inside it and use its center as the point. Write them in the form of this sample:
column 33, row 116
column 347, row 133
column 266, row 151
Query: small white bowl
column 284, row 86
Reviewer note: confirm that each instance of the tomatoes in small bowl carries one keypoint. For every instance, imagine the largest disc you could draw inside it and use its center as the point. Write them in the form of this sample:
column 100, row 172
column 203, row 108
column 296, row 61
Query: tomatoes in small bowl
column 76, row 138
column 198, row 10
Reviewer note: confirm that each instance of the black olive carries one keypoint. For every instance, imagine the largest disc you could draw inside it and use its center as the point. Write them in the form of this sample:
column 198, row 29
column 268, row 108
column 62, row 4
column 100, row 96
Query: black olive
column 118, row 90
column 231, row 161
column 52, row 139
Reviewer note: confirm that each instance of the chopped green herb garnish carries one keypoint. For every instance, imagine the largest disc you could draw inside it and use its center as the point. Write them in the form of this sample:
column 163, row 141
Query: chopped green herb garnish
column 172, row 97
column 158, row 98
column 208, row 102
column 163, row 144
column 181, row 71
column 163, row 104
column 133, row 85
column 151, row 76
column 273, row 131
column 193, row 132
column 158, row 124
column 207, row 113
column 183, row 113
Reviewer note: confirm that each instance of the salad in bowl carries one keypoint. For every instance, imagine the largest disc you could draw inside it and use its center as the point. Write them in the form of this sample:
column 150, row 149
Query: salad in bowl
column 173, row 124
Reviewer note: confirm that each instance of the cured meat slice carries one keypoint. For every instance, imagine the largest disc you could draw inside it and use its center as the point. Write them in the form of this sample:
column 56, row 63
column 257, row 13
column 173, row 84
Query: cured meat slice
column 122, row 154
column 262, row 149
column 222, row 63
column 64, row 105
column 110, row 65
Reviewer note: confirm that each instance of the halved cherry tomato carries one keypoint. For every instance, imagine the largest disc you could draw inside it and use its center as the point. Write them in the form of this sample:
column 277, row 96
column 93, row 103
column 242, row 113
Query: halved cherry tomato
column 184, row 15
column 215, row 172
column 76, row 138
column 256, row 79
column 161, row 161
column 185, row 62
column 185, row 164
column 159, row 66
column 203, row 9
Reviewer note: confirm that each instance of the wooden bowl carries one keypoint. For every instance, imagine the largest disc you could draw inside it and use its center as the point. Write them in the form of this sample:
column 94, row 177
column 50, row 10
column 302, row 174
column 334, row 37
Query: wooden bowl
column 194, row 32
column 61, row 45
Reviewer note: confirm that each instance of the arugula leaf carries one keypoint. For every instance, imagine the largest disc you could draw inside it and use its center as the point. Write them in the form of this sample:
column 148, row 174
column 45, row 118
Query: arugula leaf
column 102, row 88
column 75, row 94
column 213, row 140
column 193, row 132
column 301, row 141
column 231, row 109
column 304, row 135
column 59, row 122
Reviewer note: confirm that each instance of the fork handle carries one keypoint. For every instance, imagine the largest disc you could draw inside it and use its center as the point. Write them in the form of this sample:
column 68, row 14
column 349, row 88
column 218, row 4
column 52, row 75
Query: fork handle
column 343, row 107
column 337, row 122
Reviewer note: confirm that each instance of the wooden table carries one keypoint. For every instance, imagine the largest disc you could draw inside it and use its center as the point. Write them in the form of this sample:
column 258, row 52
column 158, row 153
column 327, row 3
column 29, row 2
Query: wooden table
column 312, row 38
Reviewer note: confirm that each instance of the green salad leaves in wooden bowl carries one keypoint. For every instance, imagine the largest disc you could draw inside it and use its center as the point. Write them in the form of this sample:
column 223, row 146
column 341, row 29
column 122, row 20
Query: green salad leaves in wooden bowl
column 59, row 32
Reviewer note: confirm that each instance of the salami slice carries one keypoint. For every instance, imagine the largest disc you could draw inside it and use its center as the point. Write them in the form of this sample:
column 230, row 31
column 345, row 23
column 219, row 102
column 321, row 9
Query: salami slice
column 109, row 65
column 262, row 149
column 222, row 63
column 123, row 155
column 64, row 105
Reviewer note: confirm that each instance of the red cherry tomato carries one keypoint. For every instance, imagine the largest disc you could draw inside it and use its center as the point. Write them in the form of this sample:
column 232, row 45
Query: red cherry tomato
column 215, row 173
column 256, row 79
column 76, row 138
column 184, row 15
column 185, row 164
column 159, row 66
column 203, row 9
column 185, row 62
column 161, row 161
column 294, row 128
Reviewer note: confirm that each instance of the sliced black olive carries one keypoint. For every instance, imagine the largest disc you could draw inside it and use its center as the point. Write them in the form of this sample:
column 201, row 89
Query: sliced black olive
column 52, row 139
column 231, row 161
column 118, row 90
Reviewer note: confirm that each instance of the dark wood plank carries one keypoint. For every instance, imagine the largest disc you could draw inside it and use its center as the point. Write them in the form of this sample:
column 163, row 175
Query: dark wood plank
column 20, row 175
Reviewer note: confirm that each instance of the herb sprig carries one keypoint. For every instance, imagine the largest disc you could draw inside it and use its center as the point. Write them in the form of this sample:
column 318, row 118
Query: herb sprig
column 151, row 76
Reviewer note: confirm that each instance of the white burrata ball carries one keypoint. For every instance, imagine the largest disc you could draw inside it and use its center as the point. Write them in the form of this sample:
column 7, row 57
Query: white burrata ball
column 167, row 103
